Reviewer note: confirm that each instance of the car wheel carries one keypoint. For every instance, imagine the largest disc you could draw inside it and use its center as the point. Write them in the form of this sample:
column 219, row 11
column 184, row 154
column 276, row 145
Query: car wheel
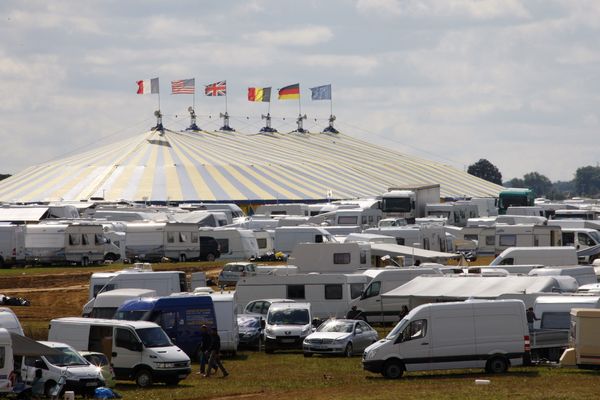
column 348, row 351
column 496, row 365
column 210, row 257
column 393, row 369
column 143, row 378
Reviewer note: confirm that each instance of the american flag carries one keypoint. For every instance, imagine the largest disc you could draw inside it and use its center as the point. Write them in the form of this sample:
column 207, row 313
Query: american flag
column 216, row 89
column 183, row 86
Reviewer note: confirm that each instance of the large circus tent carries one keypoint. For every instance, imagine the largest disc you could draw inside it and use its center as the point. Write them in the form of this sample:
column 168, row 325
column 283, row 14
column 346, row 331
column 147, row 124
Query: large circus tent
column 169, row 166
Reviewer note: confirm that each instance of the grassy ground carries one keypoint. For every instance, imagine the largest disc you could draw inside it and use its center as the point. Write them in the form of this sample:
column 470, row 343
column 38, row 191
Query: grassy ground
column 291, row 376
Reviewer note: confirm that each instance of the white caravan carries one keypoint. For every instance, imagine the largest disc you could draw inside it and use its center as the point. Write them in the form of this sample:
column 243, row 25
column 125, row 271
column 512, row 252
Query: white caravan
column 329, row 294
column 382, row 280
column 234, row 244
column 276, row 210
column 164, row 282
column 526, row 236
column 139, row 350
column 487, row 206
column 453, row 213
column 426, row 237
column 471, row 334
column 547, row 256
column 106, row 303
column 584, row 274
column 483, row 236
column 152, row 241
column 286, row 237
column 331, row 257
column 12, row 247
column 554, row 312
column 265, row 242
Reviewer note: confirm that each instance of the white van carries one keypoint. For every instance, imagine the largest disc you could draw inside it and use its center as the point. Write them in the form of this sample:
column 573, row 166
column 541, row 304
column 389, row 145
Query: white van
column 81, row 376
column 139, row 350
column 537, row 255
column 287, row 325
column 106, row 303
column 471, row 334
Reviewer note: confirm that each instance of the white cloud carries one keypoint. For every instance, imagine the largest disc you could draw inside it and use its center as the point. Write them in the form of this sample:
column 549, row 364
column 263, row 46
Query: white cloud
column 307, row 36
column 475, row 9
column 359, row 65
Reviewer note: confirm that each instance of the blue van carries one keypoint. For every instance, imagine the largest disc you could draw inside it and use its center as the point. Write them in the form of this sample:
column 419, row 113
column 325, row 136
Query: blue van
column 179, row 316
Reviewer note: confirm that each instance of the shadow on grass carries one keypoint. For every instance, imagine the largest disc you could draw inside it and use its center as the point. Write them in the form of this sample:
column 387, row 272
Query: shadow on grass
column 409, row 377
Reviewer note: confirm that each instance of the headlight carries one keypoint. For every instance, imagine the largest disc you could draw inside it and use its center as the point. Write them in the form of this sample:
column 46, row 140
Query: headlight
column 306, row 331
column 269, row 332
column 368, row 355
column 342, row 340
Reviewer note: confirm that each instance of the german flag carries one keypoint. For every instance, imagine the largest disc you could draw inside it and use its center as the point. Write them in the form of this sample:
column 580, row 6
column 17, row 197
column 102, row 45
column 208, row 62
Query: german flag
column 290, row 92
column 259, row 94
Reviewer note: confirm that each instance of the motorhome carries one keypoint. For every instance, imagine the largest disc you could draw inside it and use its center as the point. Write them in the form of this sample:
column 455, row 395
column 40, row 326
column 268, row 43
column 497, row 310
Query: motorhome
column 471, row 334
column 286, row 237
column 581, row 238
column 382, row 280
column 152, row 241
column 181, row 317
column 105, row 304
column 526, row 236
column 141, row 277
column 329, row 294
column 331, row 257
column 547, row 256
column 234, row 244
column 139, row 350
column 453, row 213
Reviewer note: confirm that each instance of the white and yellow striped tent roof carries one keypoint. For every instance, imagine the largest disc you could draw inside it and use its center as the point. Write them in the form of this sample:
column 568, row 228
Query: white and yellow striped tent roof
column 231, row 166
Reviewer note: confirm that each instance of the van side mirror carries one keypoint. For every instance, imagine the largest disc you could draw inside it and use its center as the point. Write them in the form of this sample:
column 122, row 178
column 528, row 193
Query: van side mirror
column 39, row 364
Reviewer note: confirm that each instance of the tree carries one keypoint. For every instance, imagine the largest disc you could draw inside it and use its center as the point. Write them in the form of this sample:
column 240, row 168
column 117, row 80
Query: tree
column 485, row 170
column 540, row 184
column 587, row 180
column 514, row 183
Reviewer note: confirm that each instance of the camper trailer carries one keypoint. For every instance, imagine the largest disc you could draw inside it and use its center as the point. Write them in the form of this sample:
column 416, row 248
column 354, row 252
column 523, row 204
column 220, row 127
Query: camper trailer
column 286, row 237
column 152, row 241
column 331, row 257
column 234, row 244
column 330, row 295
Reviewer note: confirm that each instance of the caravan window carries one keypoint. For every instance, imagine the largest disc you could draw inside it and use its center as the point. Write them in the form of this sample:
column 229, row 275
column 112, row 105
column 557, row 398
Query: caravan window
column 508, row 240
column 74, row 240
column 348, row 220
column 470, row 237
column 262, row 243
column 372, row 290
column 490, row 240
column 2, row 356
column 84, row 240
column 295, row 292
column 363, row 256
column 183, row 237
column 318, row 238
column 341, row 258
column 556, row 320
column 333, row 292
column 356, row 290
column 99, row 239
column 363, row 220
column 170, row 237
column 400, row 241
column 223, row 245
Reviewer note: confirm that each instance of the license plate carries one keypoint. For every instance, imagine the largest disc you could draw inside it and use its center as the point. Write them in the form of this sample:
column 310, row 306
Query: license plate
column 287, row 340
column 91, row 384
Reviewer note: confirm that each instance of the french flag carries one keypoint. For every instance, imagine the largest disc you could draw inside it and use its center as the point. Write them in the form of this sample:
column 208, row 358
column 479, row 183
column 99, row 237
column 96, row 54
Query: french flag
column 148, row 86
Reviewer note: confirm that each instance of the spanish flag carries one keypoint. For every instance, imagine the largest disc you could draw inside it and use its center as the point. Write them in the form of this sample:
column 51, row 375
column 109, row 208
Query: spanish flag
column 290, row 92
column 259, row 94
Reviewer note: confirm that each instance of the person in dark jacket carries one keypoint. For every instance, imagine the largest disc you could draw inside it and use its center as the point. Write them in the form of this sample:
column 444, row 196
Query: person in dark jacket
column 205, row 343
column 215, row 357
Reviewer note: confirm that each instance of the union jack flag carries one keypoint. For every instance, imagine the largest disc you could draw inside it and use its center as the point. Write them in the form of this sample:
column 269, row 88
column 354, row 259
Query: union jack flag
column 216, row 89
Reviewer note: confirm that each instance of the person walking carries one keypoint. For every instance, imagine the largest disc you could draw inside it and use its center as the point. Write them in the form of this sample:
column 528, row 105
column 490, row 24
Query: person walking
column 215, row 356
column 204, row 350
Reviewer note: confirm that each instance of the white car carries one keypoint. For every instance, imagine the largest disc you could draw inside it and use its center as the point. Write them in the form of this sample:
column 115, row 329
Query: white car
column 81, row 376
column 340, row 336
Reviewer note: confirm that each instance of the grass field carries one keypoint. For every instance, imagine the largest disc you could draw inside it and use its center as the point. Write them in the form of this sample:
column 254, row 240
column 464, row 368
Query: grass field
column 289, row 375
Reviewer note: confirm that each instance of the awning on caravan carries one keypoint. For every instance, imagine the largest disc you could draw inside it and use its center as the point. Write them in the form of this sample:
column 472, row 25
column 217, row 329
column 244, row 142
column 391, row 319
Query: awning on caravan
column 27, row 214
column 23, row 346
column 464, row 287
column 394, row 250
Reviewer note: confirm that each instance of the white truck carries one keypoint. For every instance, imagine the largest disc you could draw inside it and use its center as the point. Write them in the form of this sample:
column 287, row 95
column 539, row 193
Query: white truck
column 409, row 201
column 471, row 334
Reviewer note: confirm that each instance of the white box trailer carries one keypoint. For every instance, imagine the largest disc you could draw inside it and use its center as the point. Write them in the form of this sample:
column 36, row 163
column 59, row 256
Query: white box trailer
column 152, row 241
column 471, row 334
column 330, row 295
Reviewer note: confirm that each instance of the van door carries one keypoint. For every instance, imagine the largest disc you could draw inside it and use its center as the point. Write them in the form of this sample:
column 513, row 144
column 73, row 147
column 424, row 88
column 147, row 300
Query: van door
column 414, row 345
column 127, row 351
column 370, row 302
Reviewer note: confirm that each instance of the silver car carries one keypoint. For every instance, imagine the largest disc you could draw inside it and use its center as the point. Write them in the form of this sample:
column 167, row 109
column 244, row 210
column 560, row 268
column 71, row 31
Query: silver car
column 232, row 272
column 340, row 336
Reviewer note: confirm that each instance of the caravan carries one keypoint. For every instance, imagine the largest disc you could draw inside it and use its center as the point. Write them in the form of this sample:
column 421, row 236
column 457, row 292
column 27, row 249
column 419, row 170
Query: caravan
column 234, row 244
column 152, row 241
column 286, row 237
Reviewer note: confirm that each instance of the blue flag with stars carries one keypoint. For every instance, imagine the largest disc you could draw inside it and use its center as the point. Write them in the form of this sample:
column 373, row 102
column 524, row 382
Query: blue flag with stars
column 321, row 92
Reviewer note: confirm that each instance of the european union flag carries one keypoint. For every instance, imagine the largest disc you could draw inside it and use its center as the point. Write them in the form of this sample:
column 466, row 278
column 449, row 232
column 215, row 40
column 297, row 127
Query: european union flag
column 321, row 92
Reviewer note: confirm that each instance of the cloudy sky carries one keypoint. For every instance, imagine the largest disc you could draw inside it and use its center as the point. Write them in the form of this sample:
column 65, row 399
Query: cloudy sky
column 516, row 82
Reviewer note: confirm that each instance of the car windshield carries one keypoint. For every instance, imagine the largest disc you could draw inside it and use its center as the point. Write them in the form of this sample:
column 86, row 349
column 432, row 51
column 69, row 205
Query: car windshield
column 153, row 337
column 336, row 326
column 133, row 315
column 289, row 316
column 97, row 359
column 245, row 322
column 397, row 329
column 67, row 358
